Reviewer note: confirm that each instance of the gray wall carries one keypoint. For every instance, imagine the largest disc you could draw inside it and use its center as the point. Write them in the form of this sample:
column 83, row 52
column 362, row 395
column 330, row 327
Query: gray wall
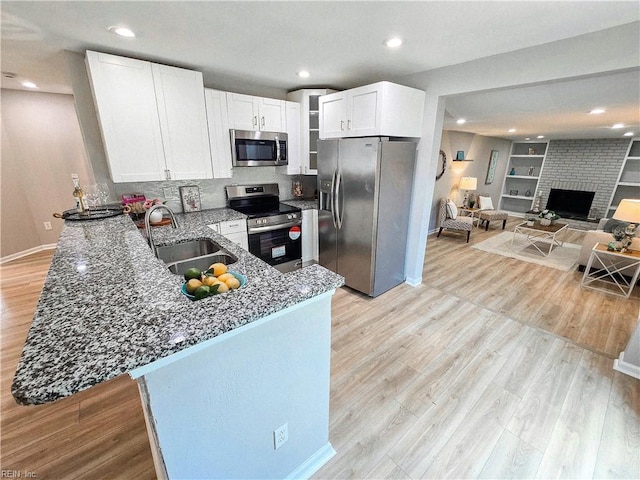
column 478, row 148
column 591, row 165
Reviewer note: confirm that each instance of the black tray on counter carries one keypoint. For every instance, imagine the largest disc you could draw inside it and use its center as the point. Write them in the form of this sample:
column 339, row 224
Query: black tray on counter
column 94, row 213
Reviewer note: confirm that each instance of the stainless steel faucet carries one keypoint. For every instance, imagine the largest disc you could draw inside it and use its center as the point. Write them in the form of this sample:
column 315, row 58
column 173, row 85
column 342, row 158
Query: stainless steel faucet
column 147, row 224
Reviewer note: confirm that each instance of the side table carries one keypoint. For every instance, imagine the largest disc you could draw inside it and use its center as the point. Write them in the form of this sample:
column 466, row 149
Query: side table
column 472, row 212
column 608, row 265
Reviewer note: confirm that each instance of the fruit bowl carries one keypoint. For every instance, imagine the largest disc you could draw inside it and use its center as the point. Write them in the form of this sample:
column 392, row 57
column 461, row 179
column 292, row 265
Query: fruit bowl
column 241, row 278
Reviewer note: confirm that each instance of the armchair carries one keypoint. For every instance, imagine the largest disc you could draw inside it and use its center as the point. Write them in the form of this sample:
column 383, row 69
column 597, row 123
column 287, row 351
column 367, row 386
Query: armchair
column 464, row 224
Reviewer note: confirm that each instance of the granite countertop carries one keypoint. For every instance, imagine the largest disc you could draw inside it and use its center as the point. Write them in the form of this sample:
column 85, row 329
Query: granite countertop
column 302, row 203
column 108, row 306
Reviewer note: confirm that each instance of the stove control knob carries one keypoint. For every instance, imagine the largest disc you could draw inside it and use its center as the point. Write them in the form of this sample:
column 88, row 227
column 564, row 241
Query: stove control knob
column 289, row 216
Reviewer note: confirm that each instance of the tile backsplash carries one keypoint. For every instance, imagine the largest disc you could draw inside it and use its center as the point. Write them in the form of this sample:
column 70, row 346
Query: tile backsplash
column 212, row 194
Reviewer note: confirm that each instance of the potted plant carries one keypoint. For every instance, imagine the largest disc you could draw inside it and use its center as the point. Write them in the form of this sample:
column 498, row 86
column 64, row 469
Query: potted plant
column 547, row 217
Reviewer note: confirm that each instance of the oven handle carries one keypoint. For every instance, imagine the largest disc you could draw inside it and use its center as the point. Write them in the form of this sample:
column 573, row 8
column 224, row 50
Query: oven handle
column 270, row 228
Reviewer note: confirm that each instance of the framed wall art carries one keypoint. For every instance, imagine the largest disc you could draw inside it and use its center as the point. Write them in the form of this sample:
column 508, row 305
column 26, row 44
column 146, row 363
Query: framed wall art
column 190, row 196
column 493, row 163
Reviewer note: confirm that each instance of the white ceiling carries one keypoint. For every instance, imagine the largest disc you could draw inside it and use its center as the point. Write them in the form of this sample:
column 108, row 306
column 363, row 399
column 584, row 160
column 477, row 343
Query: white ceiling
column 259, row 46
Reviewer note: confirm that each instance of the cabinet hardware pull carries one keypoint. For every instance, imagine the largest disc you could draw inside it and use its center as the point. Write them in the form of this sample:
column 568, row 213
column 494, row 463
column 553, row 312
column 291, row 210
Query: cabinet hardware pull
column 263, row 121
column 255, row 120
column 348, row 124
column 341, row 124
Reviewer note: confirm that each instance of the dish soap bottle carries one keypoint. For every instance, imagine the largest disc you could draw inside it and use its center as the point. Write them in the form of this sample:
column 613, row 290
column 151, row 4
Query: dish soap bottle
column 79, row 196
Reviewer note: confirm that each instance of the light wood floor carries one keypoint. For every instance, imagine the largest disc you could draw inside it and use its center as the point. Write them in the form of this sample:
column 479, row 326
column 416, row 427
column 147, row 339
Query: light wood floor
column 470, row 375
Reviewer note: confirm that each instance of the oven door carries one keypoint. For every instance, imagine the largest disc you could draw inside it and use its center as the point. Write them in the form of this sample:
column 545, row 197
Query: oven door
column 278, row 245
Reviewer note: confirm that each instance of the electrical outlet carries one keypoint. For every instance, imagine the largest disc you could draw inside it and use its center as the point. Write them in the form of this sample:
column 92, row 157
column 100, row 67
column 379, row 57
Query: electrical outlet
column 167, row 192
column 280, row 436
column 47, row 225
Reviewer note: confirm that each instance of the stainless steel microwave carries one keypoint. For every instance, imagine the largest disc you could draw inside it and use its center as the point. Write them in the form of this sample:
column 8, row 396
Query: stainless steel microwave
column 258, row 149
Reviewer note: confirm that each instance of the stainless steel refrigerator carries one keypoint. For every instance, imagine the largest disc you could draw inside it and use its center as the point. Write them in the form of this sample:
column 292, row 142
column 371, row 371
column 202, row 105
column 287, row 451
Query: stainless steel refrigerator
column 364, row 194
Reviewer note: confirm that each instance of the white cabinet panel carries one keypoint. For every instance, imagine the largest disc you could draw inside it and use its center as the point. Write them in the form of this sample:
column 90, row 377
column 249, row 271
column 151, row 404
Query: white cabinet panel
column 382, row 108
column 125, row 101
column 183, row 122
column 219, row 139
column 333, row 115
column 294, row 148
column 152, row 118
column 310, row 235
column 247, row 112
column 272, row 114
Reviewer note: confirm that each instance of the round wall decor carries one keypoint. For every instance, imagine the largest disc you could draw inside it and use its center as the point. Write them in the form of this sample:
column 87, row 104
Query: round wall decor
column 442, row 157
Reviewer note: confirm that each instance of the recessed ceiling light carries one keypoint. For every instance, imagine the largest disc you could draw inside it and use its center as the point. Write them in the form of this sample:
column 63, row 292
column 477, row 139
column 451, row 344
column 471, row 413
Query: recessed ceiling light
column 392, row 42
column 628, row 134
column 461, row 121
column 597, row 111
column 618, row 125
column 29, row 84
column 512, row 130
column 122, row 31
column 540, row 136
column 303, row 74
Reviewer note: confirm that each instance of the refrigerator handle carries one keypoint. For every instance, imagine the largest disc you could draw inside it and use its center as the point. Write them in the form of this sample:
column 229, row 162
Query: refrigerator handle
column 334, row 207
column 337, row 202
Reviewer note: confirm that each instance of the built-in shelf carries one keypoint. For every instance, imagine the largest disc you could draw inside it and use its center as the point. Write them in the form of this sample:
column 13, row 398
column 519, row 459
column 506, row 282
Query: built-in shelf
column 628, row 183
column 526, row 161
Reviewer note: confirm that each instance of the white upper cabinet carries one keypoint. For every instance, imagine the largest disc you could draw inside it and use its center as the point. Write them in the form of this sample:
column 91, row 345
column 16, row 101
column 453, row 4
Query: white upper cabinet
column 125, row 101
column 309, row 126
column 294, row 151
column 152, row 118
column 247, row 112
column 382, row 108
column 219, row 139
column 183, row 122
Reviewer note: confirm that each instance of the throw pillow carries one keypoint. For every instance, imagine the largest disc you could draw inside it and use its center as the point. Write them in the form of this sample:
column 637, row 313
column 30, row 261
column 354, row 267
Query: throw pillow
column 485, row 203
column 452, row 210
column 613, row 224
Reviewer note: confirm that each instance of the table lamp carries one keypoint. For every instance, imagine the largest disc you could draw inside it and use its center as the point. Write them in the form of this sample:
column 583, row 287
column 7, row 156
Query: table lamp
column 466, row 184
column 628, row 211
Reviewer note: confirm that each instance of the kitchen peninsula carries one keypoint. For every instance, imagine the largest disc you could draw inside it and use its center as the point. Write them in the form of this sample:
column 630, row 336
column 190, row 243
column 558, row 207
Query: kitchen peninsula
column 217, row 377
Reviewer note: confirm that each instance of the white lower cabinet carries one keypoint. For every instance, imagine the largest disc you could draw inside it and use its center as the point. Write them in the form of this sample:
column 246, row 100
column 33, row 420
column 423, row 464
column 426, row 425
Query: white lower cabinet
column 234, row 230
column 310, row 236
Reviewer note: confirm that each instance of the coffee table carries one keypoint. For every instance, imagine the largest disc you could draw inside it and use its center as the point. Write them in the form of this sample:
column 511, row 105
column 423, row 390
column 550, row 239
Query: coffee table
column 547, row 234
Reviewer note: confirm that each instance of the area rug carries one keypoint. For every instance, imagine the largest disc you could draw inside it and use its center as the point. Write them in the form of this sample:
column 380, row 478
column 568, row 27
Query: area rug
column 561, row 258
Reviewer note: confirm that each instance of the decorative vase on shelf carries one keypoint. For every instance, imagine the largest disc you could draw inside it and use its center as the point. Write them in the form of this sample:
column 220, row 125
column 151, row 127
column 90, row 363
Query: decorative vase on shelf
column 513, row 171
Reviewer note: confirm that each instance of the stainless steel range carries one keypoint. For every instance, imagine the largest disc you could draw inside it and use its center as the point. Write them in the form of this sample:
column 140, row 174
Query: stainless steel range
column 274, row 229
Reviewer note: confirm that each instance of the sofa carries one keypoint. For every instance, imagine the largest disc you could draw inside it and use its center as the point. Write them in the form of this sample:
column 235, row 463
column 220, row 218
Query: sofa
column 602, row 235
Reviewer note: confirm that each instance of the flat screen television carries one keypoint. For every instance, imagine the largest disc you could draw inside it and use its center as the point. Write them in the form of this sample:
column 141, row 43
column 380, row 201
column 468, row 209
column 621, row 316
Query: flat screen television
column 570, row 203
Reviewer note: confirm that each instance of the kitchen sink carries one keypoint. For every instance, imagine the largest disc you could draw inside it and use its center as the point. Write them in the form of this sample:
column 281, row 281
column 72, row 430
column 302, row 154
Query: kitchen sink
column 196, row 253
column 201, row 263
column 187, row 250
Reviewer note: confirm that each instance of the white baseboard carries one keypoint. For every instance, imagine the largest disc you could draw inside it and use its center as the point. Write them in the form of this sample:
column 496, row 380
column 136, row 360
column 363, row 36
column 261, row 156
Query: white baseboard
column 24, row 253
column 413, row 282
column 627, row 368
column 312, row 464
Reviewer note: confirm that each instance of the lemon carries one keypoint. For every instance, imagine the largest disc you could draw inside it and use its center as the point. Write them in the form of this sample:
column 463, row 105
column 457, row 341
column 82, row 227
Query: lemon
column 232, row 283
column 209, row 280
column 222, row 287
column 193, row 284
column 201, row 292
column 192, row 273
column 225, row 276
column 218, row 269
